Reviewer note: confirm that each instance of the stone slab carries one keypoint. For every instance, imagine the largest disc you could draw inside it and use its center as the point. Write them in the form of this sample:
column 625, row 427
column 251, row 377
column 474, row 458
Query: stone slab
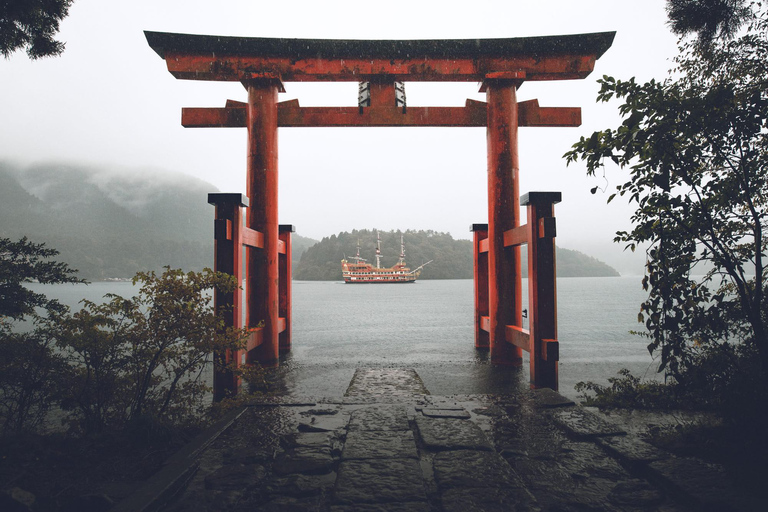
column 379, row 417
column 323, row 423
column 580, row 423
column 380, row 445
column 235, row 477
column 301, row 486
column 404, row 382
column 549, row 399
column 432, row 412
column 631, row 450
column 414, row 506
column 473, row 469
column 484, row 499
column 451, row 434
column 704, row 484
column 379, row 481
column 305, row 460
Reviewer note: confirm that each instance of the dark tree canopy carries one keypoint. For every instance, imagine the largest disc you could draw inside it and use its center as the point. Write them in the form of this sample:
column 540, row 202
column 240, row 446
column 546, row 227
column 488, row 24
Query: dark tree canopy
column 31, row 25
column 25, row 262
column 696, row 150
column 707, row 19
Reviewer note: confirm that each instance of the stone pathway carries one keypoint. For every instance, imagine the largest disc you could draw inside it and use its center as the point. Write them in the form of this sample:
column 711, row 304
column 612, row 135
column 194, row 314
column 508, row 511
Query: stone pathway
column 388, row 445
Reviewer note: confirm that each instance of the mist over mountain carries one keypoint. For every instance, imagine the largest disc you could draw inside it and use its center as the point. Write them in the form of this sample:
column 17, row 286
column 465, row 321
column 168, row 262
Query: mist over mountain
column 112, row 223
column 451, row 259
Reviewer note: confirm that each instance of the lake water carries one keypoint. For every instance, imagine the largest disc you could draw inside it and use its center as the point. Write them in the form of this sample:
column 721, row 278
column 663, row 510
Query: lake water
column 429, row 326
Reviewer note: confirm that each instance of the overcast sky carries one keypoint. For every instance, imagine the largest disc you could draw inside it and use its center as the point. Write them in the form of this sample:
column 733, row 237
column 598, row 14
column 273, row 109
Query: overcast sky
column 109, row 101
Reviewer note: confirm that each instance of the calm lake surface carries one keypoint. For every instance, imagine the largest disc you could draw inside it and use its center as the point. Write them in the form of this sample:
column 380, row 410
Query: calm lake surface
column 428, row 326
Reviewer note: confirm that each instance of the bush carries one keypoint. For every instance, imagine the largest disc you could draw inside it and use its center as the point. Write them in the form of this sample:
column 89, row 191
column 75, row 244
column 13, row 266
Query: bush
column 143, row 360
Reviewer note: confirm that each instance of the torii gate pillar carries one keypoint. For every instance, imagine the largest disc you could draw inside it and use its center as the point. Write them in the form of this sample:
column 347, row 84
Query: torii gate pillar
column 504, row 271
column 262, row 267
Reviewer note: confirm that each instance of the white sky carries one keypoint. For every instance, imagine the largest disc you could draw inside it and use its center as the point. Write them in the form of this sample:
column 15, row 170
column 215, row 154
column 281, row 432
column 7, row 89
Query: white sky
column 109, row 101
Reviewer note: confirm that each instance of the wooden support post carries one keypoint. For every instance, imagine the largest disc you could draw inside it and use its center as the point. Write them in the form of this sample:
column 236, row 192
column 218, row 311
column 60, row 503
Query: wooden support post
column 504, row 277
column 228, row 259
column 480, row 233
column 542, row 288
column 285, row 285
column 262, row 273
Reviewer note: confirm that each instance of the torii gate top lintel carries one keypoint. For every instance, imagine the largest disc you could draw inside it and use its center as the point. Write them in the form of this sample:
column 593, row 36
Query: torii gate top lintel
column 203, row 57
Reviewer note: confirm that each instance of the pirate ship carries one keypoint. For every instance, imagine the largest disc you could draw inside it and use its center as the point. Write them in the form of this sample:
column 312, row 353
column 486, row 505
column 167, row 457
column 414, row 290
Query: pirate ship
column 358, row 271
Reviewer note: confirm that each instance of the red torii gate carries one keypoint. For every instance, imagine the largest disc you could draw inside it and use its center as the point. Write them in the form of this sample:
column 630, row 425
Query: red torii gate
column 501, row 65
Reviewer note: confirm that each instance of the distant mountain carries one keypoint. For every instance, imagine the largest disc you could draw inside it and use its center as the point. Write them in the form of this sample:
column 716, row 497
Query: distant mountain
column 452, row 259
column 108, row 223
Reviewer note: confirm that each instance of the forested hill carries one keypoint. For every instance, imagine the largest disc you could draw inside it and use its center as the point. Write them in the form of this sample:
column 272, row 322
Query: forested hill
column 452, row 258
column 111, row 224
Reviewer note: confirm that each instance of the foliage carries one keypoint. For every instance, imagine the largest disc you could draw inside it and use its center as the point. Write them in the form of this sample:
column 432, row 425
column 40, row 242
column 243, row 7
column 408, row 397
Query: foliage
column 31, row 25
column 25, row 262
column 627, row 391
column 696, row 148
column 452, row 259
column 143, row 359
column 29, row 367
column 30, row 379
column 708, row 19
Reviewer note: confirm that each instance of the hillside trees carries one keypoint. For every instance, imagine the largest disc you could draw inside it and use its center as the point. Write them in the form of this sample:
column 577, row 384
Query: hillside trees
column 696, row 149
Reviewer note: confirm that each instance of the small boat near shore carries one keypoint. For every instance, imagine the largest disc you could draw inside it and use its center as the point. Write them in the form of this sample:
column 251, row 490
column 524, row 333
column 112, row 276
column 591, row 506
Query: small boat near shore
column 358, row 271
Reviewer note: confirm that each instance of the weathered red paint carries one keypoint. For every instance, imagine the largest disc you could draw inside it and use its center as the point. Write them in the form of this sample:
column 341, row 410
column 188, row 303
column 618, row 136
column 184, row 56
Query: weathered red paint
column 263, row 294
column 290, row 115
column 504, row 278
column 480, row 235
column 542, row 288
column 240, row 68
column 285, row 286
column 227, row 258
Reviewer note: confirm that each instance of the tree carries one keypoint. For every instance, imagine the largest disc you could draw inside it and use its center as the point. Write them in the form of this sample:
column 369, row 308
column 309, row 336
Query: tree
column 696, row 148
column 25, row 262
column 708, row 19
column 31, row 25
column 145, row 357
column 29, row 367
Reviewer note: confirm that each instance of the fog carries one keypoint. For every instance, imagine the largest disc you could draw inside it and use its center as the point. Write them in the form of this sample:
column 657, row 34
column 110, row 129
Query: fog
column 109, row 101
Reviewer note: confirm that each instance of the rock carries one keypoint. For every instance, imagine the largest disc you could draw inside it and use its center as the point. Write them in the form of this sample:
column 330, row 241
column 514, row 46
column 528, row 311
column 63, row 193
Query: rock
column 305, row 460
column 584, row 424
column 379, row 481
column 17, row 499
column 379, row 417
column 483, row 499
column 547, row 398
column 380, row 445
column 636, row 494
column 301, row 486
column 432, row 412
column 235, row 477
column 451, row 434
column 470, row 468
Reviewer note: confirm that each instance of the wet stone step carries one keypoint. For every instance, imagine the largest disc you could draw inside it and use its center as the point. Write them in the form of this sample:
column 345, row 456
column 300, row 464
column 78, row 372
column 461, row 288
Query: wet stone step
column 402, row 382
column 379, row 481
column 380, row 445
column 379, row 417
column 451, row 434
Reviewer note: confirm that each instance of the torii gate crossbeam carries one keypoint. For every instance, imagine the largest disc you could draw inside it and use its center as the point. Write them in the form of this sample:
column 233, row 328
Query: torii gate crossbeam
column 262, row 65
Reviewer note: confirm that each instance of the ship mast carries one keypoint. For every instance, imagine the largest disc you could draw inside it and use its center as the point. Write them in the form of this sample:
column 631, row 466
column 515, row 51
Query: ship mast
column 402, row 251
column 357, row 258
column 378, row 250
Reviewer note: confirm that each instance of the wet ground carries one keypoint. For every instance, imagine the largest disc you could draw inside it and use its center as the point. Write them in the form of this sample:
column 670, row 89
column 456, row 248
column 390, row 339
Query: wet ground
column 390, row 443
